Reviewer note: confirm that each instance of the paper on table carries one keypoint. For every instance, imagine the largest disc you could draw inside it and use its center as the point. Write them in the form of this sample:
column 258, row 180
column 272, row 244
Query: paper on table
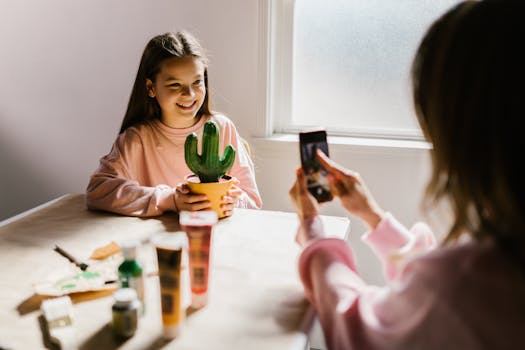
column 70, row 279
column 58, row 285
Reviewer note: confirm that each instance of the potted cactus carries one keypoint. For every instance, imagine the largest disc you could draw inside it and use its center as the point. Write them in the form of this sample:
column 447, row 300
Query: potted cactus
column 209, row 168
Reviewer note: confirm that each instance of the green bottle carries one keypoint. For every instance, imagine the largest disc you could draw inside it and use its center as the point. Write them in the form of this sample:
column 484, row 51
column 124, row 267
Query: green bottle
column 130, row 272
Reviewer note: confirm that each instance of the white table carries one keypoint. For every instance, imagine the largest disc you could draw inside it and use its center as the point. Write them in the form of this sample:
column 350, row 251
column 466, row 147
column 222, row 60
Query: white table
column 256, row 299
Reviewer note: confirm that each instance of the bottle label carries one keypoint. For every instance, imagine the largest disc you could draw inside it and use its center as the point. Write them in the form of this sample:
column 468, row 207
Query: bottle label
column 137, row 283
column 124, row 321
column 199, row 256
column 169, row 262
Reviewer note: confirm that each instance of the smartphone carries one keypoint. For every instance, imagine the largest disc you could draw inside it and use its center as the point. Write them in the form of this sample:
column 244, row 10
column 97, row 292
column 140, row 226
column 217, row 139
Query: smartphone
column 309, row 142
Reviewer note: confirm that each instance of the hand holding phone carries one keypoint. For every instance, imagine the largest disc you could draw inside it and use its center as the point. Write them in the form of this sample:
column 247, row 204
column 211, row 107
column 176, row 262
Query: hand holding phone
column 317, row 184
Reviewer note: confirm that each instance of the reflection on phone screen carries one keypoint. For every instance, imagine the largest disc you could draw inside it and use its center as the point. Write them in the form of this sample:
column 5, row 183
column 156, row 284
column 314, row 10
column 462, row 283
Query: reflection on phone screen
column 316, row 175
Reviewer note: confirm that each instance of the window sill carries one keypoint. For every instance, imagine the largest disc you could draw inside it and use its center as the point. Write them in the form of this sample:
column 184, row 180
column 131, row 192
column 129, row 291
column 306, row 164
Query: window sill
column 283, row 142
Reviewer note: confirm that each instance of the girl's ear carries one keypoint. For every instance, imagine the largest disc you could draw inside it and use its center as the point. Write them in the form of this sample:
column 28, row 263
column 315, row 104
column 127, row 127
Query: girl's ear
column 150, row 88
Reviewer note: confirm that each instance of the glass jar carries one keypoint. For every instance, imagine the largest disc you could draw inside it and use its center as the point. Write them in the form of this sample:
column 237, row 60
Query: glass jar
column 125, row 311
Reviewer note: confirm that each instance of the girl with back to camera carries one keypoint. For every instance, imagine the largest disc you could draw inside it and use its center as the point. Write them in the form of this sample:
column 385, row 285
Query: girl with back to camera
column 468, row 293
column 143, row 175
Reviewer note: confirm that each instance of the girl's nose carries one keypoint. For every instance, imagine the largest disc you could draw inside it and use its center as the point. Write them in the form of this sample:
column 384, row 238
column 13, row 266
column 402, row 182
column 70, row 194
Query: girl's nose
column 188, row 91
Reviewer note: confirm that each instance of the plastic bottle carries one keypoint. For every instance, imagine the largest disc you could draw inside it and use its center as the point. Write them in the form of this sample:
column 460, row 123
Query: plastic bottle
column 130, row 272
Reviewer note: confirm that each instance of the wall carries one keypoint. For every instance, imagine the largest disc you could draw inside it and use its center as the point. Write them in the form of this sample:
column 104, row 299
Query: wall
column 67, row 69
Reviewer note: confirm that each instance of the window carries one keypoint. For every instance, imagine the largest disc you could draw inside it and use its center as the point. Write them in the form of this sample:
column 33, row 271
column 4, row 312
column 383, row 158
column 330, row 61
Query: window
column 345, row 64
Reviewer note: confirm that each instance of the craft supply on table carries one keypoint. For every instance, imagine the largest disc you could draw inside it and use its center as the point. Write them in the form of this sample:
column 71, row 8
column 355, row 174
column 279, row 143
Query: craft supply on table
column 63, row 282
column 77, row 276
column 106, row 251
column 125, row 312
column 169, row 248
column 130, row 272
column 58, row 315
column 198, row 226
column 81, row 265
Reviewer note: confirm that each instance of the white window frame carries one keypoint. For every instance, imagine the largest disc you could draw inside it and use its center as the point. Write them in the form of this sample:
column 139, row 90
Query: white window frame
column 280, row 67
column 275, row 83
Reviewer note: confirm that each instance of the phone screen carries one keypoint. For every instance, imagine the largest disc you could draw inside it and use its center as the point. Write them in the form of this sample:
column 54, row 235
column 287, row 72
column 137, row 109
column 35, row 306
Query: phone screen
column 309, row 142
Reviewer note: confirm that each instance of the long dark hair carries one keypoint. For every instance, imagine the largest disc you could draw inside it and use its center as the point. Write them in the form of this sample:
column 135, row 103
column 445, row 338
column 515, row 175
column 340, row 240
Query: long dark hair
column 468, row 77
column 141, row 107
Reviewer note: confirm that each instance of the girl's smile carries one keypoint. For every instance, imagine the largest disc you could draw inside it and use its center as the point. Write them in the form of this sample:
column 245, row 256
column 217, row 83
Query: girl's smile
column 180, row 90
column 187, row 107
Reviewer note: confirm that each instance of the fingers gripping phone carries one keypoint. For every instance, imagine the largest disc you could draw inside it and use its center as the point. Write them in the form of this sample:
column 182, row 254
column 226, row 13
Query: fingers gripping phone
column 309, row 142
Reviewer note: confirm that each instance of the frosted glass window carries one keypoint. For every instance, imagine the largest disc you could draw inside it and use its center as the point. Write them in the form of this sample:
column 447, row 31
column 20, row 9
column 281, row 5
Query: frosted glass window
column 351, row 64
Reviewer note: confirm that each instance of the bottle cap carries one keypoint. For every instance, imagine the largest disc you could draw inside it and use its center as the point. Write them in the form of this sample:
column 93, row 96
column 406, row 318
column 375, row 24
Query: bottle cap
column 175, row 241
column 129, row 249
column 172, row 332
column 199, row 300
column 124, row 296
column 198, row 218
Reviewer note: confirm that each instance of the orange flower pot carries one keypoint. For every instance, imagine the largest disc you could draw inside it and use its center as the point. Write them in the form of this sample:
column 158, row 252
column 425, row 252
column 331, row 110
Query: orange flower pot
column 213, row 190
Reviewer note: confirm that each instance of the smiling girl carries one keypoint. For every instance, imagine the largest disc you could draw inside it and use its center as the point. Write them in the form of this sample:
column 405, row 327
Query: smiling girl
column 143, row 175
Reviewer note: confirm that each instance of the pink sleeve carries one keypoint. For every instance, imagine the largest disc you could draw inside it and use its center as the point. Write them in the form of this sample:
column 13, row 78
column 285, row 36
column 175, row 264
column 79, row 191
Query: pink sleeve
column 394, row 244
column 112, row 188
column 353, row 314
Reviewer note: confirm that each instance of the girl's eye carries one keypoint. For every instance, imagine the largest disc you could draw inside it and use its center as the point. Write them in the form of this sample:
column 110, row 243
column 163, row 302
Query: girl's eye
column 175, row 85
column 197, row 82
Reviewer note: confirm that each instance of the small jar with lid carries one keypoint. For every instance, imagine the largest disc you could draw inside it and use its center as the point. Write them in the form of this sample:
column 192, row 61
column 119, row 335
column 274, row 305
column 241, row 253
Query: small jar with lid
column 125, row 312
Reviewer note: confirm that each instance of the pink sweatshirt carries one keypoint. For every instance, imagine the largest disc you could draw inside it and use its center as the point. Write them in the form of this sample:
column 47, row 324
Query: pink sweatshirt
column 138, row 177
column 466, row 296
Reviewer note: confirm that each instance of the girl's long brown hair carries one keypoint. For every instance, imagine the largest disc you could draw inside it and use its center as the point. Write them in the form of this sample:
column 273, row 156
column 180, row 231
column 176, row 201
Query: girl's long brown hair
column 468, row 77
column 141, row 107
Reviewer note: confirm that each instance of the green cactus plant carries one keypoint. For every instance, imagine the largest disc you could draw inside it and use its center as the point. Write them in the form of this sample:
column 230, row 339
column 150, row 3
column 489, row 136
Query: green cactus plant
column 209, row 166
